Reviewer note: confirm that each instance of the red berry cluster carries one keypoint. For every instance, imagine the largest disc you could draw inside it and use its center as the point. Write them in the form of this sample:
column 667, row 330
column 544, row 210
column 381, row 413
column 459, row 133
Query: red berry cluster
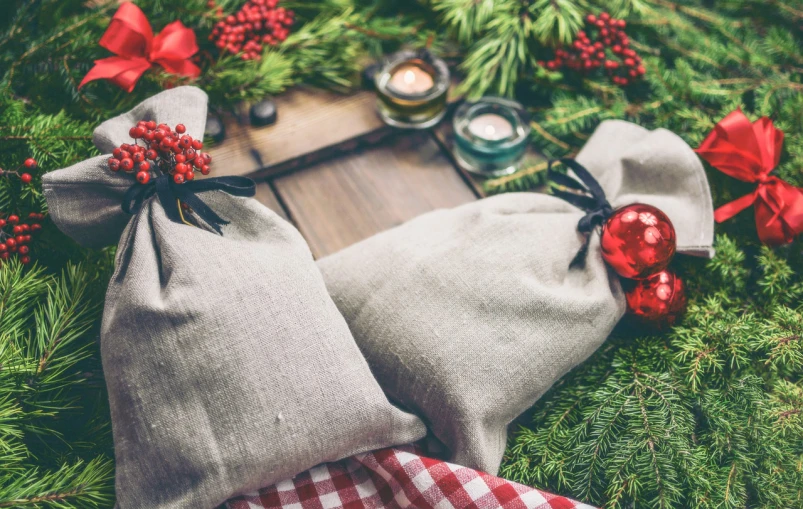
column 164, row 151
column 257, row 23
column 621, row 63
column 24, row 176
column 15, row 236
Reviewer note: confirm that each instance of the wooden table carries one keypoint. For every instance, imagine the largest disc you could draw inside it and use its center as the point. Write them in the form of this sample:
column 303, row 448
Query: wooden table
column 331, row 167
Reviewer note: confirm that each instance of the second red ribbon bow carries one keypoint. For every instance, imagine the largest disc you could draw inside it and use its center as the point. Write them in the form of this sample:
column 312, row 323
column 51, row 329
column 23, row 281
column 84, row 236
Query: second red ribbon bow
column 131, row 38
column 749, row 152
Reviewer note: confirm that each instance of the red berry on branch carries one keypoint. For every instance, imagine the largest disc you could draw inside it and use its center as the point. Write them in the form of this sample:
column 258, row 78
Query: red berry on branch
column 26, row 178
column 30, row 163
column 127, row 164
column 143, row 177
column 178, row 178
column 25, row 260
column 23, row 249
column 13, row 219
column 181, row 129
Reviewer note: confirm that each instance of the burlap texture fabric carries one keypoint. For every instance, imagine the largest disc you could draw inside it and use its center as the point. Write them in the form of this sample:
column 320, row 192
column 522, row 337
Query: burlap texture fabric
column 228, row 366
column 467, row 316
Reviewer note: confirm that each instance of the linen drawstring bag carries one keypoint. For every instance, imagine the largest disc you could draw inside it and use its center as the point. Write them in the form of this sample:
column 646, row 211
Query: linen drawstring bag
column 227, row 364
column 467, row 316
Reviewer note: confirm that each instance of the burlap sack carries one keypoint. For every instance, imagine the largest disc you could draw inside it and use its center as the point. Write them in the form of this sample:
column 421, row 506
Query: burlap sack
column 228, row 366
column 467, row 316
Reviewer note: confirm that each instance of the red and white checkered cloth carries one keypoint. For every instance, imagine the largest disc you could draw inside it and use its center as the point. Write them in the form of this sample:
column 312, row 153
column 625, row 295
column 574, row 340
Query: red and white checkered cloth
column 398, row 478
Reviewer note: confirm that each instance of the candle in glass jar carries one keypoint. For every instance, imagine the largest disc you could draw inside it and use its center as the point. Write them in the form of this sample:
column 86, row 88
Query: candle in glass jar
column 490, row 136
column 411, row 89
column 411, row 79
column 491, row 126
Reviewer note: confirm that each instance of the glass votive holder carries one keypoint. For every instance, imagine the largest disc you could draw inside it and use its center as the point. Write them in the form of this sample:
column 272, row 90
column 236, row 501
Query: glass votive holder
column 411, row 89
column 491, row 136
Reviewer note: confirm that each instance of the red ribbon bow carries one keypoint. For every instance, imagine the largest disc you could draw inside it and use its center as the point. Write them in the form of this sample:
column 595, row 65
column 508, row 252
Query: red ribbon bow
column 749, row 152
column 130, row 37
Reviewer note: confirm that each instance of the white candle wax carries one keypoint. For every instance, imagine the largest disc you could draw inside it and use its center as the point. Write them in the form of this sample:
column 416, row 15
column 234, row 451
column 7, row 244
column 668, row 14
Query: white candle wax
column 411, row 79
column 491, row 127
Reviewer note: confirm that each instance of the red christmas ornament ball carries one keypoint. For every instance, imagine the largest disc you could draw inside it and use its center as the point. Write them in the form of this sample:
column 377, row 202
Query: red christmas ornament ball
column 638, row 241
column 658, row 300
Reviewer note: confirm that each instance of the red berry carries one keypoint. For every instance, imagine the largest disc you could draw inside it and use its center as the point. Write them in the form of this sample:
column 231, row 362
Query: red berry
column 30, row 163
column 189, row 176
column 11, row 243
column 2, row 223
column 13, row 219
column 26, row 178
column 23, row 249
column 151, row 125
column 143, row 177
column 117, row 153
column 138, row 157
column 205, row 169
column 36, row 227
column 178, row 178
column 180, row 158
column 3, row 248
column 150, row 154
column 144, row 166
column 197, row 144
column 25, row 260
column 127, row 164
column 181, row 168
column 181, row 129
column 17, row 229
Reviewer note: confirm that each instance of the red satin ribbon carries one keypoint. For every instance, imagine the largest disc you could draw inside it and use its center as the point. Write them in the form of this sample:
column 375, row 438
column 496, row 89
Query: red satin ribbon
column 131, row 38
column 749, row 152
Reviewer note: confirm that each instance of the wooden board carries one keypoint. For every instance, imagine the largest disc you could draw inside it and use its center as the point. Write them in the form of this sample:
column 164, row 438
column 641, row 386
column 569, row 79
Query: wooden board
column 346, row 199
column 264, row 195
column 310, row 121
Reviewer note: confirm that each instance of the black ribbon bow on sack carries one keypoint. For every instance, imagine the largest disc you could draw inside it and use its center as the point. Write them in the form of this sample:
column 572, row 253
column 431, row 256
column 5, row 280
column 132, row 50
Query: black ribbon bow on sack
column 170, row 194
column 587, row 195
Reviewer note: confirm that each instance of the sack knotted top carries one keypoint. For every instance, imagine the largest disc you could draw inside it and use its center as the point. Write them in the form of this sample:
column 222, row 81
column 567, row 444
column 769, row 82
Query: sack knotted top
column 93, row 212
column 635, row 165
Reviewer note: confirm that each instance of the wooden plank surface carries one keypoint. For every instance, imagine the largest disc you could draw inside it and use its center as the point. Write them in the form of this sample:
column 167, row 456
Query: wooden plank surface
column 309, row 121
column 264, row 195
column 343, row 200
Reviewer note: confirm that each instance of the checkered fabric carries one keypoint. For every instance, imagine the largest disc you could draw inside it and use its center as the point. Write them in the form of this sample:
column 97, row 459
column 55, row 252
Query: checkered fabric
column 398, row 478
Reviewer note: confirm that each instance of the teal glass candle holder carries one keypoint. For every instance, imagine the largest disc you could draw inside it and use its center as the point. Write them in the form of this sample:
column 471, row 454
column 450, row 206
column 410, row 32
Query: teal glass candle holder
column 491, row 136
column 411, row 89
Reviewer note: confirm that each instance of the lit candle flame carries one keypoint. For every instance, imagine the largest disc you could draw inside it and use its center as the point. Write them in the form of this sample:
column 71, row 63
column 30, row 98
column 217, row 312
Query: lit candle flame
column 409, row 77
column 490, row 131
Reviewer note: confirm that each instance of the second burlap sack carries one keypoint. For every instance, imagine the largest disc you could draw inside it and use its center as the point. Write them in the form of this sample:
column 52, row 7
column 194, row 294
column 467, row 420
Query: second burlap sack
column 467, row 316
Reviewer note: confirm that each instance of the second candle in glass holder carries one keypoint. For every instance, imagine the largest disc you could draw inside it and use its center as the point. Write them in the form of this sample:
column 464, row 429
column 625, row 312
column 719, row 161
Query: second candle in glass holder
column 491, row 136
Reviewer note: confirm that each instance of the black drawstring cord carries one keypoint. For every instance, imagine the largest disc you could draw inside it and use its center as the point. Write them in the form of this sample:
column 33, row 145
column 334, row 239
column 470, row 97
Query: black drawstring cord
column 588, row 195
column 170, row 194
